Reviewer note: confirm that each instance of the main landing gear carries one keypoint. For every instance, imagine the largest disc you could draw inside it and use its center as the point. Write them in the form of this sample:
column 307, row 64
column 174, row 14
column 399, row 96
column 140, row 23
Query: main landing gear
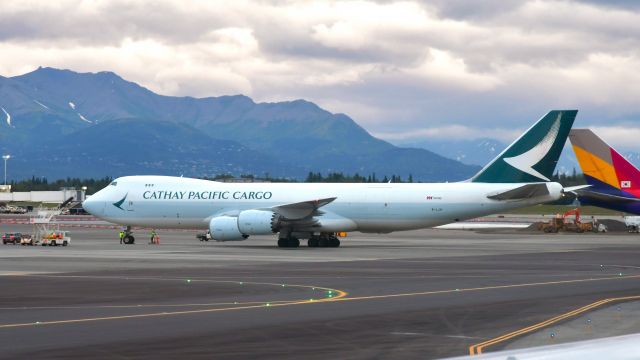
column 322, row 240
column 289, row 242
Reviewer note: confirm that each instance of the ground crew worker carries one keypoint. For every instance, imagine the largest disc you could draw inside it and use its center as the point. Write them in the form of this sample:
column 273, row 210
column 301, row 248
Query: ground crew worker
column 121, row 236
column 153, row 237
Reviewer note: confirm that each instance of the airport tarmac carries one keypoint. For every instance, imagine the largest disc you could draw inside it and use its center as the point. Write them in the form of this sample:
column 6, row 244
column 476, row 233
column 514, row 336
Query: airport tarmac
column 419, row 294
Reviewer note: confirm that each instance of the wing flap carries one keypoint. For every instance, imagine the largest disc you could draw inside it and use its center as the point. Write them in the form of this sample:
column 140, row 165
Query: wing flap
column 301, row 210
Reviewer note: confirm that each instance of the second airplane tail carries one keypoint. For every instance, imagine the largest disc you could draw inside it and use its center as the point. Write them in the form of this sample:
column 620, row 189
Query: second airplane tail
column 604, row 168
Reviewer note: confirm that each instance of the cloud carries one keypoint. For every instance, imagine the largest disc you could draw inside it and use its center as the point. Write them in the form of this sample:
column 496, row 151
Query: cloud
column 620, row 137
column 397, row 67
column 455, row 132
column 446, row 70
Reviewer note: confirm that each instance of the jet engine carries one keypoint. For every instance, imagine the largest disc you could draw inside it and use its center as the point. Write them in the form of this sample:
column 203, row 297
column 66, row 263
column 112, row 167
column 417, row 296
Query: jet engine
column 258, row 222
column 225, row 228
column 248, row 222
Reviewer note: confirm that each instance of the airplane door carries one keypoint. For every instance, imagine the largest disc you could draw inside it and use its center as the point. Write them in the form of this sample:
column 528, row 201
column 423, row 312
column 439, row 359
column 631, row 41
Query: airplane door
column 129, row 205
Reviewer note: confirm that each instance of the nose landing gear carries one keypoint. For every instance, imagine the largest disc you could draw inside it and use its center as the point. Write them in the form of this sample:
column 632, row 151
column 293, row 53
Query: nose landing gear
column 127, row 236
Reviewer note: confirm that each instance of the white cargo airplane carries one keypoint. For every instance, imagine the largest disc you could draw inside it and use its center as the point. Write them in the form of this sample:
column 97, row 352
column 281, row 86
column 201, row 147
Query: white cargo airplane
column 518, row 177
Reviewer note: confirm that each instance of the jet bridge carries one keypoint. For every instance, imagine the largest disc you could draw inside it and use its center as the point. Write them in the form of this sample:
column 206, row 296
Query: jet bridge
column 50, row 197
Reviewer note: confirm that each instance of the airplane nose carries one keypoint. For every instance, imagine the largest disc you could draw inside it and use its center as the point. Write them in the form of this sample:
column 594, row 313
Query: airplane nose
column 91, row 206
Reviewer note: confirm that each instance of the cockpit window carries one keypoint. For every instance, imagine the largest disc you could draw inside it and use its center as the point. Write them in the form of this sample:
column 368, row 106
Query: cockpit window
column 114, row 183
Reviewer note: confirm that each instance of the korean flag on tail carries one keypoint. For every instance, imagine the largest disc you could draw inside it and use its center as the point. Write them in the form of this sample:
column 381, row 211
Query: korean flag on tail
column 625, row 184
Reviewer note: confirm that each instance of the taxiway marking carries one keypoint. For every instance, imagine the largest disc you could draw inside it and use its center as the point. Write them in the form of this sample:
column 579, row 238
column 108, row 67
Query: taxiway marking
column 477, row 348
column 339, row 297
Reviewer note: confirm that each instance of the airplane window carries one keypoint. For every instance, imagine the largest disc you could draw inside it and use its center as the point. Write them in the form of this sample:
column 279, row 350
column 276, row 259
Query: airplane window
column 114, row 183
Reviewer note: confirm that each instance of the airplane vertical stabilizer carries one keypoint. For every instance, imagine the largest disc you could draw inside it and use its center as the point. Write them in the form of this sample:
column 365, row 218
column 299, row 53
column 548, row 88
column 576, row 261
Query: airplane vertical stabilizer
column 534, row 155
column 604, row 168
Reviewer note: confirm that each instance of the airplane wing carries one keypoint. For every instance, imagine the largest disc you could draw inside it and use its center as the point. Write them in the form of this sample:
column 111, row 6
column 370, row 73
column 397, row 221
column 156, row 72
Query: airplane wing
column 523, row 192
column 301, row 210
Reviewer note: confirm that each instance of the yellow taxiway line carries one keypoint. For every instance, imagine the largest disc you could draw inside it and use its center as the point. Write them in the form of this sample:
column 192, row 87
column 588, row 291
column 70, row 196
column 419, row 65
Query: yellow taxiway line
column 340, row 296
column 478, row 348
column 496, row 287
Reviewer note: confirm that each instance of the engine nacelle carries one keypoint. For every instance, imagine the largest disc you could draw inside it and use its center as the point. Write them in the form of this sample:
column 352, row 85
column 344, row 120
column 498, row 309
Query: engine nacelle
column 258, row 222
column 225, row 228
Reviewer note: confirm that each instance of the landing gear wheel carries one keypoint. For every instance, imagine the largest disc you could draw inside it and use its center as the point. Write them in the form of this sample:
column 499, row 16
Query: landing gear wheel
column 323, row 241
column 313, row 241
column 334, row 242
column 129, row 240
column 289, row 242
column 293, row 242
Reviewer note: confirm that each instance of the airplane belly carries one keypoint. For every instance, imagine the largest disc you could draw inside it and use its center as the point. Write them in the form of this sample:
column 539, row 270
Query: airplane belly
column 419, row 216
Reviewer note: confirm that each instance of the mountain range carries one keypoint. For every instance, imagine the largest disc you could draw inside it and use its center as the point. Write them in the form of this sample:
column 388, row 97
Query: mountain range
column 60, row 123
column 481, row 151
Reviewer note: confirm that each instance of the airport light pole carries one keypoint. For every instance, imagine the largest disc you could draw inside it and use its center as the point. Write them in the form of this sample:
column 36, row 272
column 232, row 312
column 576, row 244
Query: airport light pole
column 5, row 157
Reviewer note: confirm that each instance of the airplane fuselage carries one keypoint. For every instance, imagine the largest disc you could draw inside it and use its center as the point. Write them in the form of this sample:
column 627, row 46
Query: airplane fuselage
column 173, row 202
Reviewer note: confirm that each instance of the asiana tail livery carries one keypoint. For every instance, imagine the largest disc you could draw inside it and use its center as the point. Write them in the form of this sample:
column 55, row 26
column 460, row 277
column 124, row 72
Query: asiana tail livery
column 518, row 177
column 614, row 181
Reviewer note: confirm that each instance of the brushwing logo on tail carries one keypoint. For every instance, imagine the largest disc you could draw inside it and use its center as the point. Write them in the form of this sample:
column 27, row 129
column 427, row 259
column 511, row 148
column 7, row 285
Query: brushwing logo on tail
column 525, row 162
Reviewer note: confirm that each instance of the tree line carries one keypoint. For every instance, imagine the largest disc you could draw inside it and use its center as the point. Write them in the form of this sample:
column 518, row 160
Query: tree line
column 42, row 184
column 93, row 185
column 573, row 179
column 338, row 177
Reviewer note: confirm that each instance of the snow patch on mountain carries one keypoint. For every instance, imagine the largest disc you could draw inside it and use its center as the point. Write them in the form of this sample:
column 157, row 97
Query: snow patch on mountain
column 84, row 119
column 41, row 104
column 8, row 116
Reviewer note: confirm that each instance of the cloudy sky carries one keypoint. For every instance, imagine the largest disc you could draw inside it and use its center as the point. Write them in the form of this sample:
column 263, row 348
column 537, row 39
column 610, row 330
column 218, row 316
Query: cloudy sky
column 405, row 70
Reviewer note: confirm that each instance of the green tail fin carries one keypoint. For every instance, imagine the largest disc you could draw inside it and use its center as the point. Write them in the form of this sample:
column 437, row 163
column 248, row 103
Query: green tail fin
column 534, row 155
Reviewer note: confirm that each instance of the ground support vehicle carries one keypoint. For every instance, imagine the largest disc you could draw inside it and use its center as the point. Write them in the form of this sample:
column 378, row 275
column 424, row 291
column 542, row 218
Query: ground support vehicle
column 206, row 236
column 632, row 223
column 11, row 238
column 28, row 240
column 56, row 238
column 564, row 223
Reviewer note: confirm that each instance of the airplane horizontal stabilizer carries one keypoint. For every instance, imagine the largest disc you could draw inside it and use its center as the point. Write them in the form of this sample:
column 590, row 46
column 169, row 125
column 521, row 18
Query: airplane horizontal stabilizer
column 523, row 192
column 605, row 198
column 574, row 189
